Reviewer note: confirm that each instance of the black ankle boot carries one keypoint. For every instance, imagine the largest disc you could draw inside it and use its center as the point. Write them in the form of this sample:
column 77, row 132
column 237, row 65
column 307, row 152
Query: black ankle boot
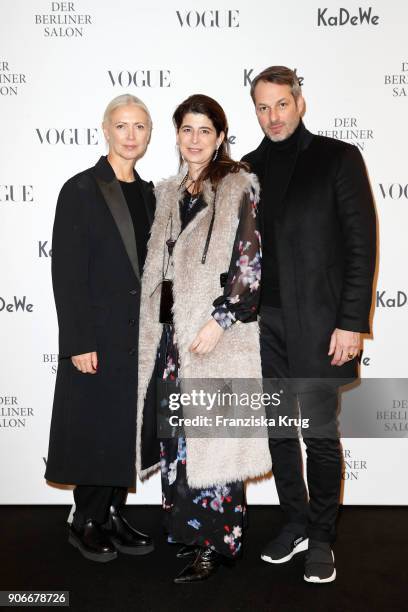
column 91, row 541
column 187, row 550
column 205, row 564
column 125, row 537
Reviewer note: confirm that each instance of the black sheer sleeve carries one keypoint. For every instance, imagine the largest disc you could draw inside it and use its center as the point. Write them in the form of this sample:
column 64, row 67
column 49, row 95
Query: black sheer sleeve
column 240, row 299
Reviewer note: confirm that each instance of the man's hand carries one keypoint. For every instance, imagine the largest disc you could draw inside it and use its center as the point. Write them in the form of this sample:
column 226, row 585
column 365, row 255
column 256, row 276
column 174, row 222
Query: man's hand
column 86, row 363
column 344, row 345
column 207, row 338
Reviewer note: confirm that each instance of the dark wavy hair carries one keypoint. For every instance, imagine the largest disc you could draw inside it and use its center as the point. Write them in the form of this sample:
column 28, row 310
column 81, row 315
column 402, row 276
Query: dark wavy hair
column 223, row 164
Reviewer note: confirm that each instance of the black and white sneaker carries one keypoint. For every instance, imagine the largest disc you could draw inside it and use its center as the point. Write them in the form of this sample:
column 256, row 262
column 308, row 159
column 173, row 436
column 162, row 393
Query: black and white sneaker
column 319, row 564
column 284, row 547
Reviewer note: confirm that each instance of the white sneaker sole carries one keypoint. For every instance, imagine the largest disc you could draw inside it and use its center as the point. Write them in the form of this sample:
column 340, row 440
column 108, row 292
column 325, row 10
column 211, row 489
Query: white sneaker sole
column 302, row 546
column 317, row 580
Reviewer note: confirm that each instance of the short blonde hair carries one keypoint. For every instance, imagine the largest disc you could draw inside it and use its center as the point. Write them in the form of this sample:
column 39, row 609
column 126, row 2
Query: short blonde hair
column 124, row 100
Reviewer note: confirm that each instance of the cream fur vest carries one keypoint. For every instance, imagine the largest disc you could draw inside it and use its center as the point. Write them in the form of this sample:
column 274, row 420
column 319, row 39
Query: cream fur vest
column 210, row 461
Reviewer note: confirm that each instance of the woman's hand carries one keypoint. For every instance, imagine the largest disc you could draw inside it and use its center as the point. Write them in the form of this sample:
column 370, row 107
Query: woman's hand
column 207, row 338
column 86, row 363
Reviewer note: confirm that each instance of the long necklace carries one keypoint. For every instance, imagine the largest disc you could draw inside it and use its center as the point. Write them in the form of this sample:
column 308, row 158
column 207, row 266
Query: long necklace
column 194, row 196
column 171, row 242
column 192, row 200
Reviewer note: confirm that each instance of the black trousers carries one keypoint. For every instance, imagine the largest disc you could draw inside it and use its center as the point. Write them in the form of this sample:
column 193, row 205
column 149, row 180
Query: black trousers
column 93, row 502
column 314, row 514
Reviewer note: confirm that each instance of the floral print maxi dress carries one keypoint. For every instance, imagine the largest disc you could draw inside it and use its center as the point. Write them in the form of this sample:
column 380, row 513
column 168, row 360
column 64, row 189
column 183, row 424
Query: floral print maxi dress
column 213, row 516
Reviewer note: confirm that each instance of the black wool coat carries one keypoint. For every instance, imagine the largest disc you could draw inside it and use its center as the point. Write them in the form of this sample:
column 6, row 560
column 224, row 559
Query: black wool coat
column 96, row 281
column 326, row 247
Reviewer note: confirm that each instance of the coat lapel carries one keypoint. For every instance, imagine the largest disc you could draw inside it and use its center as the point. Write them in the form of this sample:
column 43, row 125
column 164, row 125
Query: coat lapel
column 116, row 203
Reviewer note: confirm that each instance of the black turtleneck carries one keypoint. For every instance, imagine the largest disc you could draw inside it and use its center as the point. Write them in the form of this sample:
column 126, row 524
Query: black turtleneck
column 280, row 160
column 134, row 199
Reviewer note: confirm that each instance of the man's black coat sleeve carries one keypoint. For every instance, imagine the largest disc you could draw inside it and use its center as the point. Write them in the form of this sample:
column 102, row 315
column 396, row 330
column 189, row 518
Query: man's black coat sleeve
column 355, row 208
column 70, row 269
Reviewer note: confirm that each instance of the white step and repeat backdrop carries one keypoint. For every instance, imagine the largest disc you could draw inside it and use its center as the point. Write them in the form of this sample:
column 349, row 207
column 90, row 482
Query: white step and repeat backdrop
column 61, row 62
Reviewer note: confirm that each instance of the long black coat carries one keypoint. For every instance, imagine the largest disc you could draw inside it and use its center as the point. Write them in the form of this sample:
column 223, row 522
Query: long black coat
column 326, row 244
column 96, row 281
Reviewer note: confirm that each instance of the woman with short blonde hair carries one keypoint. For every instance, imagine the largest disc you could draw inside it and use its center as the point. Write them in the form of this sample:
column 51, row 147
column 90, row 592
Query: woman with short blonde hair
column 101, row 228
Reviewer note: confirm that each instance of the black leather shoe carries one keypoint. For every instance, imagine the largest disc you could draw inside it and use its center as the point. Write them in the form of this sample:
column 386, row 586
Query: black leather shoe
column 205, row 564
column 187, row 550
column 125, row 537
column 92, row 542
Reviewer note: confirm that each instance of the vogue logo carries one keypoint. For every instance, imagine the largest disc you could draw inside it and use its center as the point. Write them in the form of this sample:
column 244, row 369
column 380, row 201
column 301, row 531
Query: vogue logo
column 16, row 305
column 16, row 193
column 43, row 250
column 399, row 300
column 141, row 78
column 226, row 18
column 344, row 17
column 68, row 136
column 394, row 191
column 249, row 76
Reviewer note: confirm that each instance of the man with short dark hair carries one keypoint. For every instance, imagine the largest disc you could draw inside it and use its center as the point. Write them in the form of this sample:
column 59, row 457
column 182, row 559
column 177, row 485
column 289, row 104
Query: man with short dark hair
column 319, row 240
